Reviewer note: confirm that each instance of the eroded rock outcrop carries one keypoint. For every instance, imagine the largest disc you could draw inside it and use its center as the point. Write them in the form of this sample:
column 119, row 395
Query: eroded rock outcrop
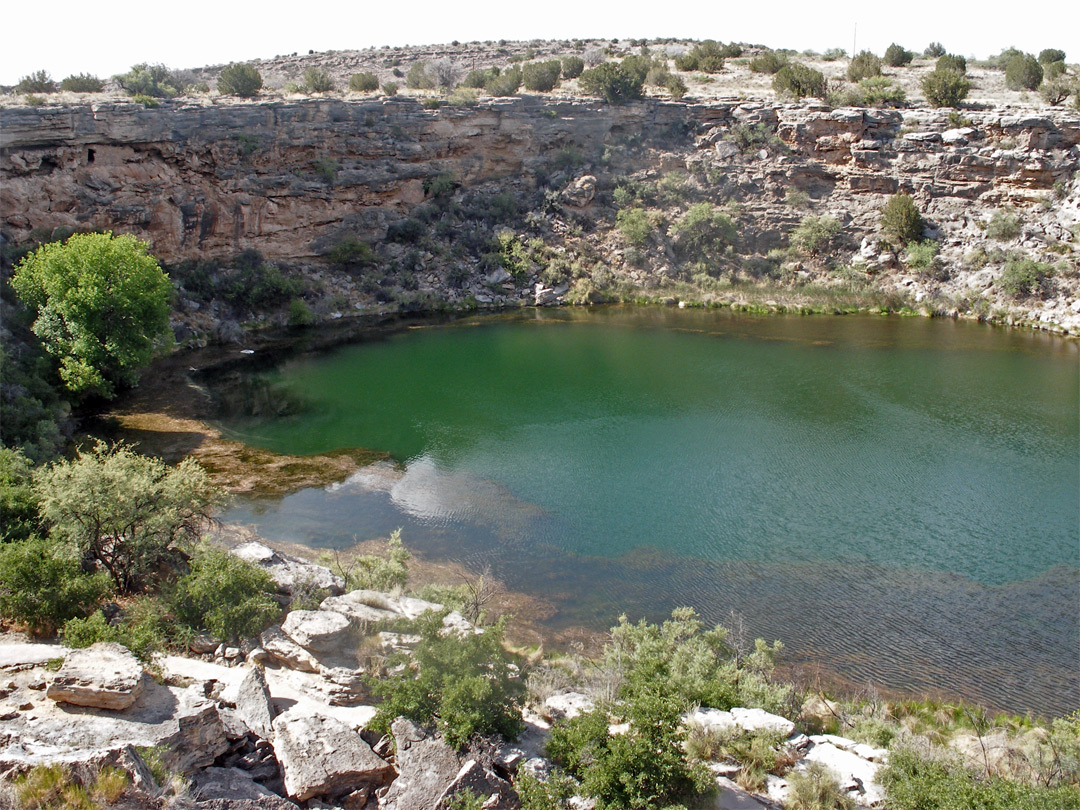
column 103, row 676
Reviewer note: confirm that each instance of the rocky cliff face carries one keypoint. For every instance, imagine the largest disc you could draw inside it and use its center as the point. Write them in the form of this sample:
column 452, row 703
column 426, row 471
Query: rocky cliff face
column 294, row 179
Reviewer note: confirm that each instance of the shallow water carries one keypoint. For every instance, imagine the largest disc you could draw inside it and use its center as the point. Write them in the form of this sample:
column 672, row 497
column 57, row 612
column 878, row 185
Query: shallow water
column 896, row 499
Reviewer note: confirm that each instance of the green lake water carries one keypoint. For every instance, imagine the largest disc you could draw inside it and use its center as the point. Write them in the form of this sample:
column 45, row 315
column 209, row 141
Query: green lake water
column 897, row 499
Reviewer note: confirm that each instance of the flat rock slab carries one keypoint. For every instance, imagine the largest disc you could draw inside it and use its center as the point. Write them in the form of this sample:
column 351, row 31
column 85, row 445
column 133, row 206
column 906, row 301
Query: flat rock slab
column 568, row 705
column 319, row 630
column 729, row 796
column 103, row 676
column 321, row 756
column 712, row 719
column 761, row 720
column 233, row 789
column 848, row 767
column 426, row 767
column 24, row 656
column 287, row 652
column 290, row 573
column 357, row 607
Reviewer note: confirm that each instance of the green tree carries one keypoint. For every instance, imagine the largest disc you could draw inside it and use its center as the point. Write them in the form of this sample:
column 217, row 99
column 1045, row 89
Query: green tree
column 897, row 55
column 18, row 503
column 155, row 81
column 82, row 83
column 1023, row 72
column 799, row 81
column 225, row 596
column 863, row 65
column 239, row 80
column 42, row 584
column 901, row 220
column 102, row 306
column 613, row 82
column 633, row 223
column 945, row 87
column 37, row 82
column 465, row 684
column 126, row 511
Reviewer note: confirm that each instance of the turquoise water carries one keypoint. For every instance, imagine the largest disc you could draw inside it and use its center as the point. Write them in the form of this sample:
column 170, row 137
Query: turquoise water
column 896, row 499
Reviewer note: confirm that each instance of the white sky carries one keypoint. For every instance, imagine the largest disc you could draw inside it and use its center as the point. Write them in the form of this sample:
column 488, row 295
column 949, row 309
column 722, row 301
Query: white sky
column 106, row 38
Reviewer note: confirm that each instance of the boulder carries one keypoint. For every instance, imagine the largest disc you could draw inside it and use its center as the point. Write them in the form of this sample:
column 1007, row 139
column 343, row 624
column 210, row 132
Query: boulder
column 581, row 192
column 321, row 756
column 411, row 607
column 318, row 630
column 253, row 704
column 287, row 652
column 426, row 767
column 761, row 720
column 850, row 768
column 357, row 606
column 496, row 792
column 568, row 705
column 711, row 719
column 290, row 573
column 103, row 676
column 234, row 789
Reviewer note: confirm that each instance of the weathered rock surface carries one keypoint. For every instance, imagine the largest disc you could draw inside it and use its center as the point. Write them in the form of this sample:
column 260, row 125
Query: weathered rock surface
column 287, row 652
column 288, row 572
column 318, row 630
column 320, row 756
column 253, row 705
column 568, row 705
column 761, row 720
column 14, row 657
column 234, row 789
column 103, row 676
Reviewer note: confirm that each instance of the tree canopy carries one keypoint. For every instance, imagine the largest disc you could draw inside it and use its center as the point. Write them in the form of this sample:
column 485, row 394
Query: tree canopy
column 102, row 306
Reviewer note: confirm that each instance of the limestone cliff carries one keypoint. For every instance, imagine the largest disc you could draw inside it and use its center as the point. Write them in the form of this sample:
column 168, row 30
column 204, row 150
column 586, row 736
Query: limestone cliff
column 292, row 179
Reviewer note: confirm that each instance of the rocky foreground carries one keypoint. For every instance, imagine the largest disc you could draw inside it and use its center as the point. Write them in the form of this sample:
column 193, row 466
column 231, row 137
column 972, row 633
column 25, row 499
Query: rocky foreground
column 283, row 724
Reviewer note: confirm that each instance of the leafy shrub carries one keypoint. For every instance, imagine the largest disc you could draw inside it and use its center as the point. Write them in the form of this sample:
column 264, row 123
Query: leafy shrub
column 389, row 88
column 642, row 768
column 1024, row 277
column 1053, row 70
column 225, row 596
column 82, row 83
column 1049, row 55
column 364, row 82
column 37, row 82
column 327, row 169
column 479, row 78
column 817, row 788
column 877, row 91
column 317, row 80
column 815, row 236
column 634, row 225
column 901, row 220
column 799, row 81
column 706, row 56
column 465, row 684
column 417, row 78
column 945, row 87
column 124, row 510
column 553, row 794
column 768, row 62
column 351, row 253
column 833, row 54
column 613, row 82
column 1003, row 226
column 506, row 83
column 863, row 65
column 675, row 86
column 897, row 56
column 102, row 307
column 145, row 628
column 42, row 584
column 572, row 66
column 541, row 77
column 917, row 779
column 239, row 80
column 1023, row 72
column 155, row 81
column 951, row 61
column 922, row 256
column 702, row 232
column 18, row 502
column 934, row 50
column 1055, row 90
column 34, row 101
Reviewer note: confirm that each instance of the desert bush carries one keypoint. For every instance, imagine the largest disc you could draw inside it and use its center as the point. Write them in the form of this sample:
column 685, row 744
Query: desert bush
column 389, row 88
column 863, row 65
column 897, row 56
column 351, row 253
column 833, row 54
column 417, row 78
column 42, row 584
column 934, row 50
column 1049, row 55
column 1023, row 72
column 227, row 597
column 82, row 83
column 572, row 66
column 364, row 82
column 1054, row 70
column 464, row 684
column 675, row 86
column 317, row 80
column 768, row 62
column 815, row 236
column 125, row 511
column 541, row 77
column 702, row 232
column 38, row 82
column 1004, row 226
column 877, row 91
column 799, row 81
column 375, row 572
column 634, row 225
column 478, row 78
column 593, row 56
column 706, row 56
column 922, row 256
column 817, row 788
column 642, row 768
column 1056, row 90
column 945, row 87
column 951, row 61
column 901, row 220
column 154, row 81
column 239, row 80
column 554, row 793
column 1024, row 277
column 506, row 83
column 444, row 73
column 612, row 82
